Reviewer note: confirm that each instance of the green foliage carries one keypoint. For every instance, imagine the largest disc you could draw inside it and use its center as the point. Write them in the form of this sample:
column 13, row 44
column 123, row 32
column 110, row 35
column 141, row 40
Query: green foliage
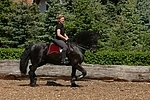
column 24, row 26
column 118, row 58
column 120, row 25
column 103, row 58
column 54, row 9
column 4, row 10
column 11, row 53
column 85, row 15
column 125, row 32
column 143, row 8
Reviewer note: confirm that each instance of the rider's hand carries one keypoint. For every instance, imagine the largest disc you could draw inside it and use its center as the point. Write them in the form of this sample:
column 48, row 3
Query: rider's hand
column 66, row 38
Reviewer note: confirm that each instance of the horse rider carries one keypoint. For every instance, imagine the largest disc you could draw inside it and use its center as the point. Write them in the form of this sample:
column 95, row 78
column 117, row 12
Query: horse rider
column 61, row 37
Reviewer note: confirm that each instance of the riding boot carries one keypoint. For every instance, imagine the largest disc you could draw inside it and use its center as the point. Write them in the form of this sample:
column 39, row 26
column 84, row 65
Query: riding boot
column 64, row 58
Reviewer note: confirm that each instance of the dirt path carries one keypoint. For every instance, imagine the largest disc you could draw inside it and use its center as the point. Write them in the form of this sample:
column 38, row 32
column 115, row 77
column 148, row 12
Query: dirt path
column 89, row 90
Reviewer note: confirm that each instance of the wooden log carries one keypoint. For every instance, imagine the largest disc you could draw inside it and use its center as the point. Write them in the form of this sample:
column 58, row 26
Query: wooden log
column 10, row 68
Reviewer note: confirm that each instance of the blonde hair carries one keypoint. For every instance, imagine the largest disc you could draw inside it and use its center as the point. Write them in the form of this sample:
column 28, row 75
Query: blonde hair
column 60, row 16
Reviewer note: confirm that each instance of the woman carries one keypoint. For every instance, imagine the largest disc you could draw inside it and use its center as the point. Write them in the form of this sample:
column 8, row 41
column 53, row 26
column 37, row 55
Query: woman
column 61, row 37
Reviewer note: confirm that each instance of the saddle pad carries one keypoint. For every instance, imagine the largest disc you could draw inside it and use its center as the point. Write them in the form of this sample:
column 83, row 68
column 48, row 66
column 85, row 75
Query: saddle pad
column 53, row 48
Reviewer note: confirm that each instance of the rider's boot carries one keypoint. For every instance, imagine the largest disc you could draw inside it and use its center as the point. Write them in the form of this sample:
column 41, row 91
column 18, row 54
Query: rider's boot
column 64, row 59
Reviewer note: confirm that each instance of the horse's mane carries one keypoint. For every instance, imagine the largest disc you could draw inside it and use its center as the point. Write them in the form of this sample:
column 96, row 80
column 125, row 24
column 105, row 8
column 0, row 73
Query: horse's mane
column 83, row 37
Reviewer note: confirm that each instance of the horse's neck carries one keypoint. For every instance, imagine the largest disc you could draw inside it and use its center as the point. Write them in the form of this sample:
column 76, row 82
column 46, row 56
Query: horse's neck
column 74, row 47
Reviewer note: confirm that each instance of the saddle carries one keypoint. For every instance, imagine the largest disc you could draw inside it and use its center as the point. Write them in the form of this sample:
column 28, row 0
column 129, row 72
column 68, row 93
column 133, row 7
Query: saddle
column 53, row 48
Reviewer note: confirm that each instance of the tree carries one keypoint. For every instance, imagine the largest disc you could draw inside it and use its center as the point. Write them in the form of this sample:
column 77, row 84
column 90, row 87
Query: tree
column 120, row 26
column 54, row 9
column 84, row 15
column 5, row 8
column 125, row 30
column 24, row 25
column 143, row 8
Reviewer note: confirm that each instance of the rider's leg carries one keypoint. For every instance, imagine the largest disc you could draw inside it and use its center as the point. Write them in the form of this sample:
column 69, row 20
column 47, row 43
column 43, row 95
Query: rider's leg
column 63, row 56
column 64, row 46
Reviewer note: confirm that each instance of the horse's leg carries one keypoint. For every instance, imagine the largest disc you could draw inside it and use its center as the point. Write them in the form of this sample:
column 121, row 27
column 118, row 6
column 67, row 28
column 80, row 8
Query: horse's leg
column 32, row 75
column 76, row 78
column 84, row 72
column 73, row 77
column 37, row 56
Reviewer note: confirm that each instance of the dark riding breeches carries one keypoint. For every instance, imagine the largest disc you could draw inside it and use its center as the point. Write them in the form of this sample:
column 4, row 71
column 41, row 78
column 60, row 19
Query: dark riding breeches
column 61, row 43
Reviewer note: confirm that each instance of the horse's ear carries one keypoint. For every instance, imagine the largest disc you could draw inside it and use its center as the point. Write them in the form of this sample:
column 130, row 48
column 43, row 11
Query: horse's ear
column 92, row 33
column 95, row 32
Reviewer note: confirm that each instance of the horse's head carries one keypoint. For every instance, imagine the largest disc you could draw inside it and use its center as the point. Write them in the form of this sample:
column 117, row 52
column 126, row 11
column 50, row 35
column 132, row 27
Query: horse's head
column 87, row 39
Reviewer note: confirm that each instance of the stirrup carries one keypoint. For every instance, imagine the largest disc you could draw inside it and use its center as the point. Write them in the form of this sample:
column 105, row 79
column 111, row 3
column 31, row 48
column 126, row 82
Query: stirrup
column 66, row 61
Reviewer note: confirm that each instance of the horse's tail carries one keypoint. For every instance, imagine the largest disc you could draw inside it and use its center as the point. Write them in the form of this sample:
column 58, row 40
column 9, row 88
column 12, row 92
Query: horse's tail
column 24, row 60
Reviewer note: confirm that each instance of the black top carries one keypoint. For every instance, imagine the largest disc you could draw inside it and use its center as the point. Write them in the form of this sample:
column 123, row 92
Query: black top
column 62, row 30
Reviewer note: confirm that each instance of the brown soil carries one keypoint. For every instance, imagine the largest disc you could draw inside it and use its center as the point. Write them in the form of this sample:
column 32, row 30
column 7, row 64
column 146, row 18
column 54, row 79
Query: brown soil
column 88, row 90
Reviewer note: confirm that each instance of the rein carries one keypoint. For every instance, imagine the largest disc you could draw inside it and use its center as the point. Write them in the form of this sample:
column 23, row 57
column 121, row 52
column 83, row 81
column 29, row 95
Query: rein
column 82, row 47
column 78, row 45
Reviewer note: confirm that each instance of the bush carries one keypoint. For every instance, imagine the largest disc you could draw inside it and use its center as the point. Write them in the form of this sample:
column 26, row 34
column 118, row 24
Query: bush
column 10, row 53
column 118, row 58
column 102, row 58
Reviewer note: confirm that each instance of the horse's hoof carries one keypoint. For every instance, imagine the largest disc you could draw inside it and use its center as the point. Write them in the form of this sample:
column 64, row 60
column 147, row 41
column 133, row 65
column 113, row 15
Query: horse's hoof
column 33, row 84
column 74, row 85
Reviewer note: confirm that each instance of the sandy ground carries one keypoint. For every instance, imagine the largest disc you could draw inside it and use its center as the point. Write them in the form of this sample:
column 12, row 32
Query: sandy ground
column 88, row 90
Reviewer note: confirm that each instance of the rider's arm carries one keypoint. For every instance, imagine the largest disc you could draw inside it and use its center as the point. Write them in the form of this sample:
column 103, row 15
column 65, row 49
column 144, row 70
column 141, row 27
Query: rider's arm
column 66, row 36
column 61, row 36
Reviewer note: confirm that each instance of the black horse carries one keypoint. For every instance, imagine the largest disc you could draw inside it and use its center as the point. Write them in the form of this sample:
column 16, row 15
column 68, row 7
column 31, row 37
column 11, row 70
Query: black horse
column 37, row 53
